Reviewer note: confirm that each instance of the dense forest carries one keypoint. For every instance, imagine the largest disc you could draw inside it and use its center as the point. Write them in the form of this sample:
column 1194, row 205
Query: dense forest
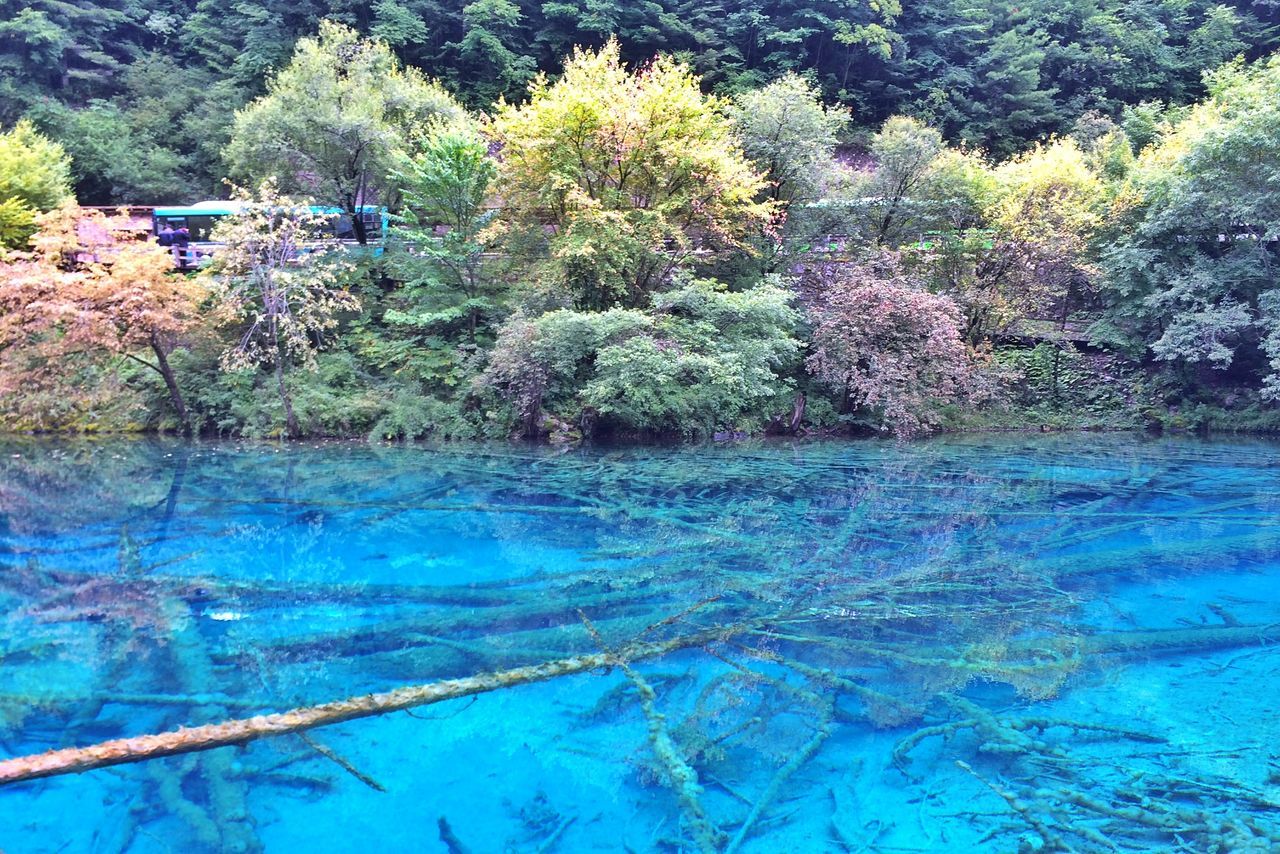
column 143, row 94
column 659, row 218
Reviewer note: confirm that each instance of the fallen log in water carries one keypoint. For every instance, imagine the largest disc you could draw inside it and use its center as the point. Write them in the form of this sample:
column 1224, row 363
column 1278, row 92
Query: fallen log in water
column 1036, row 654
column 241, row 731
column 544, row 626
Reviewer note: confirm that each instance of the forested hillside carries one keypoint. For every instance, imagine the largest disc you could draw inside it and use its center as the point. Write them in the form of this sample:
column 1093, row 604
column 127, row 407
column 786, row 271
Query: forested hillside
column 142, row 93
column 677, row 220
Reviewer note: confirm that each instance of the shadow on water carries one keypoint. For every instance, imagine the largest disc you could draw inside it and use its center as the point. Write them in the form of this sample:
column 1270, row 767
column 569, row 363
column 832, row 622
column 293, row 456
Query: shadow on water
column 980, row 643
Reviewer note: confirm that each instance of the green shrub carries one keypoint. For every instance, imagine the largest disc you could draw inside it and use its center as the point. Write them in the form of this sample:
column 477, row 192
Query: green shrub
column 700, row 359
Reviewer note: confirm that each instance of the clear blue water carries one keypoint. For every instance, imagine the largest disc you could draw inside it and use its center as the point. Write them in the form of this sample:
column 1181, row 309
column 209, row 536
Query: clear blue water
column 971, row 644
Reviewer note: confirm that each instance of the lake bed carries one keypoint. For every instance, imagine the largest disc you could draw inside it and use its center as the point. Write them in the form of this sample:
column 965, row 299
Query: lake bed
column 982, row 643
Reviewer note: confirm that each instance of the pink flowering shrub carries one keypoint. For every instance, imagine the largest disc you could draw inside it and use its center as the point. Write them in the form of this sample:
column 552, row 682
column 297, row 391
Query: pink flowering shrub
column 892, row 348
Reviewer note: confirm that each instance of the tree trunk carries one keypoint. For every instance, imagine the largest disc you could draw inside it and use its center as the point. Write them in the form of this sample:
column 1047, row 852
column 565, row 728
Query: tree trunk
column 290, row 419
column 74, row 760
column 357, row 225
column 171, row 383
column 354, row 201
column 797, row 413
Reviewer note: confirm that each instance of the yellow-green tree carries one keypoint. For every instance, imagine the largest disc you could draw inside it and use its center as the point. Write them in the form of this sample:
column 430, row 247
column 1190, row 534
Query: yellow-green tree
column 1048, row 208
column 35, row 176
column 620, row 177
column 1014, row 240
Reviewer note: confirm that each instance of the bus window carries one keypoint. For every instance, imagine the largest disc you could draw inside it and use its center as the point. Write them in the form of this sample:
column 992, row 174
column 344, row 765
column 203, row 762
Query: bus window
column 343, row 228
column 372, row 224
column 201, row 227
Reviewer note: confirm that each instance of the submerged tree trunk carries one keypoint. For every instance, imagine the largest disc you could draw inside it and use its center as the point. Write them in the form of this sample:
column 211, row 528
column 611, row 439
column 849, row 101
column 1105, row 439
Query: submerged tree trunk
column 74, row 760
column 171, row 383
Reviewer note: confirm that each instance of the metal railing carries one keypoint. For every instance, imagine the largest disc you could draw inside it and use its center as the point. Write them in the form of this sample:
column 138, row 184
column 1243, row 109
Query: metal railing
column 195, row 256
column 192, row 256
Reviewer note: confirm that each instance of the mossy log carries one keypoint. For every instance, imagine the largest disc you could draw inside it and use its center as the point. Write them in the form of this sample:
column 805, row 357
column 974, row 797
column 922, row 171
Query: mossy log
column 542, row 611
column 681, row 775
column 1040, row 654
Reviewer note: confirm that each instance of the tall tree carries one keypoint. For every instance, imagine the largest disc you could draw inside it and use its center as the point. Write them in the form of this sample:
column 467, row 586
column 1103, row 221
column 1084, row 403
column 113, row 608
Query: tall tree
column 491, row 59
column 333, row 120
column 446, row 183
column 1192, row 254
column 905, row 153
column 791, row 135
column 69, row 47
column 632, row 173
column 286, row 284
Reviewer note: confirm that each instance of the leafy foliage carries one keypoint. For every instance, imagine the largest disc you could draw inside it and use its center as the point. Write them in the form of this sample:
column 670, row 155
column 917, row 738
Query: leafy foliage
column 446, row 185
column 998, row 75
column 1047, row 211
column 1192, row 252
column 86, row 293
column 334, row 119
column 699, row 359
column 34, row 176
column 789, row 134
column 887, row 344
column 283, row 281
column 614, row 247
column 630, row 173
column 17, row 223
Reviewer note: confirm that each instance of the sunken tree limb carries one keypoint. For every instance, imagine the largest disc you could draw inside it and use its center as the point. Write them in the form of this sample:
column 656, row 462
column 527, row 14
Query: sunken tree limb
column 74, row 760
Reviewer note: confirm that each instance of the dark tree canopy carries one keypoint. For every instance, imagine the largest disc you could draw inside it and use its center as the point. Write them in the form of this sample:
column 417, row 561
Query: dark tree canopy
column 155, row 83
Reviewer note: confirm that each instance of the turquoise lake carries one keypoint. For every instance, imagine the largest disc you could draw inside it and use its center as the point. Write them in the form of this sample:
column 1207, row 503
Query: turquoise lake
column 985, row 643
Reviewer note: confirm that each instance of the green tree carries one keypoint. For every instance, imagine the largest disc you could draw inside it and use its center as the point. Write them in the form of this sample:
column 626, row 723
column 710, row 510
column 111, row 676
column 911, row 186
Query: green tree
column 634, row 173
column 33, row 168
column 1013, row 102
column 489, row 59
column 35, row 176
column 789, row 134
column 1048, row 208
column 73, row 49
column 333, row 120
column 905, row 152
column 111, row 160
column 699, row 359
column 17, row 223
column 1191, row 256
column 284, row 282
column 445, row 184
